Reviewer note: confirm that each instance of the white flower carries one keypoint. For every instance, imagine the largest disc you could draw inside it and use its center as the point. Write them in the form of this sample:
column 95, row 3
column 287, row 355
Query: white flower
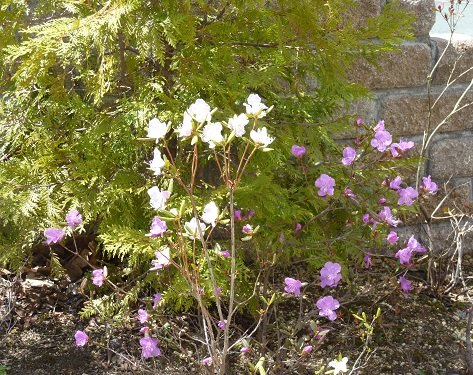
column 191, row 228
column 261, row 137
column 238, row 123
column 210, row 213
column 339, row 366
column 156, row 129
column 254, row 107
column 200, row 111
column 157, row 163
column 185, row 129
column 158, row 198
column 163, row 259
column 212, row 133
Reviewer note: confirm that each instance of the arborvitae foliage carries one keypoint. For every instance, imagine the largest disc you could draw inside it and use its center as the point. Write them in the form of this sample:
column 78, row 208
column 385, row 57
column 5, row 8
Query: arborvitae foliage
column 81, row 79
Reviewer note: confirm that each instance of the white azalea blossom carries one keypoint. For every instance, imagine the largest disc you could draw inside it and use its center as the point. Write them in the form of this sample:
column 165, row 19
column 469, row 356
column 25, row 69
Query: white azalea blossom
column 158, row 198
column 157, row 163
column 212, row 133
column 185, row 129
column 191, row 228
column 261, row 137
column 339, row 366
column 163, row 259
column 156, row 129
column 200, row 111
column 210, row 213
column 238, row 123
column 254, row 107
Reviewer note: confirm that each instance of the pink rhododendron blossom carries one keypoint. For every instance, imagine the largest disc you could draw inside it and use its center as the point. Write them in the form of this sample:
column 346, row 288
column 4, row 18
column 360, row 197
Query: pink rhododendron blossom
column 98, row 277
column 382, row 138
column 149, row 347
column 207, row 361
column 406, row 285
column 163, row 259
column 349, row 155
column 298, row 151
column 413, row 246
column 297, row 227
column 327, row 306
column 325, row 184
column 399, row 149
column 330, row 275
column 222, row 324
column 156, row 299
column 81, row 338
column 407, row 196
column 387, row 217
column 73, row 218
column 142, row 316
column 249, row 215
column 144, row 330
column 368, row 261
column 359, row 121
column 54, row 235
column 158, row 227
column 396, row 183
column 293, row 286
column 247, row 229
column 307, row 349
column 379, row 126
column 428, row 186
column 392, row 237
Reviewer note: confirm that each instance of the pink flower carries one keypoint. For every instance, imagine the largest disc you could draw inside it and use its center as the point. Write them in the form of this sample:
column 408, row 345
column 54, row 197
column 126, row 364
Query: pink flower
column 349, row 155
column 98, row 277
column 156, row 299
column 298, row 151
column 406, row 285
column 367, row 260
column 396, row 183
column 222, row 324
column 387, row 217
column 413, row 246
column 218, row 291
column 297, row 227
column 349, row 193
column 392, row 237
column 149, row 347
column 325, row 184
column 244, row 350
column 407, row 196
column 428, row 185
column 207, row 361
column 142, row 316
column 54, row 235
column 327, row 306
column 359, row 121
column 237, row 215
column 293, row 286
column 158, row 227
column 225, row 254
column 81, row 338
column 399, row 149
column 247, row 229
column 330, row 275
column 366, row 218
column 307, row 349
column 73, row 218
column 382, row 138
column 382, row 200
column 144, row 330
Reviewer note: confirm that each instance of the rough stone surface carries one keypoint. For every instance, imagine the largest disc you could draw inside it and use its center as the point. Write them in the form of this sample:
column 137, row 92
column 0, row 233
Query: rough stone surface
column 452, row 157
column 459, row 195
column 424, row 13
column 407, row 113
column 459, row 57
column 366, row 9
column 408, row 67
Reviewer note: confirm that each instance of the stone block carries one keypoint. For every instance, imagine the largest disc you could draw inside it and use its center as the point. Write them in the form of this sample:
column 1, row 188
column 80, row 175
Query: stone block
column 458, row 198
column 424, row 13
column 407, row 113
column 451, row 157
column 458, row 57
column 408, row 67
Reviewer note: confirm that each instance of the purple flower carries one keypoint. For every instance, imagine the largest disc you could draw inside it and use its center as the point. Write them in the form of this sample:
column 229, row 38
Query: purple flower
column 382, row 138
column 327, row 306
column 396, row 183
column 218, row 291
column 293, row 286
column 237, row 215
column 349, row 155
column 158, row 227
column 247, row 229
column 325, row 184
column 54, row 235
column 156, row 299
column 73, row 218
column 387, row 217
column 149, row 347
column 399, row 149
column 392, row 237
column 367, row 260
column 244, row 350
column 98, row 277
column 307, row 349
column 249, row 215
column 366, row 218
column 382, row 200
column 428, row 185
column 330, row 275
column 207, row 361
column 142, row 316
column 413, row 246
column 225, row 254
column 407, row 196
column 222, row 324
column 144, row 330
column 298, row 151
column 297, row 227
column 81, row 338
column 349, row 193
column 359, row 121
column 406, row 285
